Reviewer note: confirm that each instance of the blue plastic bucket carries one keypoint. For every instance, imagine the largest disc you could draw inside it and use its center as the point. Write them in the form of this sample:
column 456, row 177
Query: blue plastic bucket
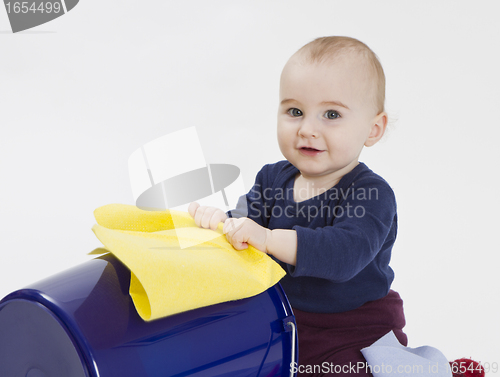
column 82, row 323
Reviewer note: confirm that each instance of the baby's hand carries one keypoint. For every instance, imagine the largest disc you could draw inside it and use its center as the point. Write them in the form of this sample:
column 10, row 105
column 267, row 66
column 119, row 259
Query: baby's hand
column 206, row 217
column 244, row 231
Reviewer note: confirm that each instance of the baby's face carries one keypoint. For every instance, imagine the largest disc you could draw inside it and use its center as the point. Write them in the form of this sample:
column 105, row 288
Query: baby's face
column 326, row 115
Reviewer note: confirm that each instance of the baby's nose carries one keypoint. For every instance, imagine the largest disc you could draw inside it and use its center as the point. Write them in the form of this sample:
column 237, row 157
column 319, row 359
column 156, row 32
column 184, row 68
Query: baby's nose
column 308, row 129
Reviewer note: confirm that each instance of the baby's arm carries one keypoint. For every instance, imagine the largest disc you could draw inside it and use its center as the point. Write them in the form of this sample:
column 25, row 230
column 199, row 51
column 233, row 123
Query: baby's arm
column 241, row 230
column 280, row 243
column 363, row 229
column 206, row 217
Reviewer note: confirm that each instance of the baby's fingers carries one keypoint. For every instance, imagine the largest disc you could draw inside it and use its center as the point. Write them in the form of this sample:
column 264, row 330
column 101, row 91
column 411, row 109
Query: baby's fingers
column 192, row 208
column 218, row 217
column 230, row 225
column 206, row 219
column 238, row 245
column 199, row 214
column 235, row 237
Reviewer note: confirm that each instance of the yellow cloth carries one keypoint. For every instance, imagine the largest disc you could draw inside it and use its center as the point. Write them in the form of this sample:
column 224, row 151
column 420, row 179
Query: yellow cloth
column 166, row 279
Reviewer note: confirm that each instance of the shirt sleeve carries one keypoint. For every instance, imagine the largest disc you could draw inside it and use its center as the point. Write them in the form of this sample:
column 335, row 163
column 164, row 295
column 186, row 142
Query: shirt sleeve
column 362, row 224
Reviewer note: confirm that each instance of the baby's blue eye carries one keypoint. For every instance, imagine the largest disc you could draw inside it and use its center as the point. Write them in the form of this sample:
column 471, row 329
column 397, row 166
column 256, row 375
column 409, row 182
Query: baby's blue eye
column 295, row 112
column 332, row 114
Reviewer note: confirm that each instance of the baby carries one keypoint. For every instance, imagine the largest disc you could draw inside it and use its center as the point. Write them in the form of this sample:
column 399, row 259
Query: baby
column 325, row 217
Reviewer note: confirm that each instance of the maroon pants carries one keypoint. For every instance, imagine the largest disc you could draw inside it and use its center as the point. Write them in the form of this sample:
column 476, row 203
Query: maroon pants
column 330, row 343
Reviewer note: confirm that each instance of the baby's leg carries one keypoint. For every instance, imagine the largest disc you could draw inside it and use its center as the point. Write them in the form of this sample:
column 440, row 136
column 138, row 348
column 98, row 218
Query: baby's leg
column 330, row 344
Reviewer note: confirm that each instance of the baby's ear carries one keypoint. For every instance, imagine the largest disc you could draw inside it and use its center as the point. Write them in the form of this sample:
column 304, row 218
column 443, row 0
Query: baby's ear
column 378, row 128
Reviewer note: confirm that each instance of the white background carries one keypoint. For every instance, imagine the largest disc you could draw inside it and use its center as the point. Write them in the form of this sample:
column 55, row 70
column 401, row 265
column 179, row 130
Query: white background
column 79, row 94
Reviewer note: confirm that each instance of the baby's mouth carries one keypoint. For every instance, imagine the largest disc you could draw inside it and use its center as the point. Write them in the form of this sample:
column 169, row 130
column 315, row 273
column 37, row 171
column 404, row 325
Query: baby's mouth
column 309, row 151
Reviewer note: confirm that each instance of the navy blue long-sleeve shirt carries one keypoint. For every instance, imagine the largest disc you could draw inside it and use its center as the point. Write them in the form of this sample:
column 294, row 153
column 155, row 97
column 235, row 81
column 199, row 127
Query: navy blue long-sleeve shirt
column 344, row 236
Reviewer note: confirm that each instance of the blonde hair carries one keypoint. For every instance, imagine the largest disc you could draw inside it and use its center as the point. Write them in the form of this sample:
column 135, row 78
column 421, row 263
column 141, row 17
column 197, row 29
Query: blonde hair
column 332, row 48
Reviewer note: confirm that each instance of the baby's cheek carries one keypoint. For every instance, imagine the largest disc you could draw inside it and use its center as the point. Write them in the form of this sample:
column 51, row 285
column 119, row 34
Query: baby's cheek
column 281, row 136
column 285, row 140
